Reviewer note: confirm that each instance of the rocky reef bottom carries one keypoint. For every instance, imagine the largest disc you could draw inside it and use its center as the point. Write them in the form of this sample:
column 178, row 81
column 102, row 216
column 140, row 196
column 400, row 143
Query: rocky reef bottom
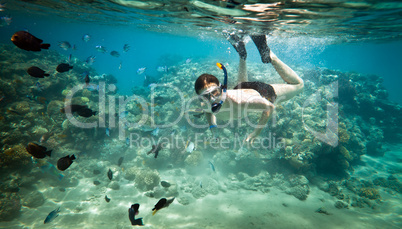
column 208, row 199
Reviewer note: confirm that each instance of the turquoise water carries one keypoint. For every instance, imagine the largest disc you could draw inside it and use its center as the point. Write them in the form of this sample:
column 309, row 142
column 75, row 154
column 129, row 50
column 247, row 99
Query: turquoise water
column 292, row 176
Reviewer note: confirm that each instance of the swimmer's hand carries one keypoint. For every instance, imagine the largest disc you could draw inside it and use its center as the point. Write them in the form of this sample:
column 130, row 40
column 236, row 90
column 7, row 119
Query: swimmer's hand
column 214, row 139
column 215, row 134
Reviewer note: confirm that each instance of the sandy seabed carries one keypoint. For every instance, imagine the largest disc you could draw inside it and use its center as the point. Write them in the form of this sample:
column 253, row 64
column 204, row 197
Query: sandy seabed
column 84, row 206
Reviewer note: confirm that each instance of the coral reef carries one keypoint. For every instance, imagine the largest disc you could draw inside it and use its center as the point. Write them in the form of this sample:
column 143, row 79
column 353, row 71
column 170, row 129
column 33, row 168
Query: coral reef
column 370, row 193
column 298, row 187
column 130, row 173
column 10, row 206
column 146, row 179
column 21, row 107
column 391, row 182
column 15, row 158
column 339, row 204
column 194, row 159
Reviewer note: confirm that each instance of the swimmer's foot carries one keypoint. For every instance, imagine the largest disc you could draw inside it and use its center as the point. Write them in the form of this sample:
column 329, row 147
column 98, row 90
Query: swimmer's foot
column 261, row 43
column 238, row 44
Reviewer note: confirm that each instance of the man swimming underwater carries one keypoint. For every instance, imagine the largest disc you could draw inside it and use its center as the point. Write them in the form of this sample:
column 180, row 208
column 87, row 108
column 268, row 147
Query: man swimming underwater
column 247, row 96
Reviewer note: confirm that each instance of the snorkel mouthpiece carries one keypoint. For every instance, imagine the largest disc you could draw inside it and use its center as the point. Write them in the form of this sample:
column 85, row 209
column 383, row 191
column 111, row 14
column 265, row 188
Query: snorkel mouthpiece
column 217, row 106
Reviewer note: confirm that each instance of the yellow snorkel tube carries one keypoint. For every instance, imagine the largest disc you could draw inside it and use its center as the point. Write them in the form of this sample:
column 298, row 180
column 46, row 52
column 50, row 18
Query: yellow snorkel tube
column 217, row 106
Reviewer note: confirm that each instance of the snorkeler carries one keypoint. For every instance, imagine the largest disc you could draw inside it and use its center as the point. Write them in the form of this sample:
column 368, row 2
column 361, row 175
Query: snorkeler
column 247, row 96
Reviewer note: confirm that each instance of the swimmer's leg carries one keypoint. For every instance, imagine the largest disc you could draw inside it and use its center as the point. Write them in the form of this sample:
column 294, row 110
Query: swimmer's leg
column 261, row 42
column 242, row 75
column 287, row 74
column 267, row 56
column 294, row 84
column 238, row 43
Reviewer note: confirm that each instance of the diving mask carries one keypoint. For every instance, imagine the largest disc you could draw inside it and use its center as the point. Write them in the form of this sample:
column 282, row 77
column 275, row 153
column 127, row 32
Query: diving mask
column 212, row 94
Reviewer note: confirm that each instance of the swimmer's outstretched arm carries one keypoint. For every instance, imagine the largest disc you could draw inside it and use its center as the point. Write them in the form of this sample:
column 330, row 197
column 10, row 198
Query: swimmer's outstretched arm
column 211, row 120
column 267, row 108
column 261, row 124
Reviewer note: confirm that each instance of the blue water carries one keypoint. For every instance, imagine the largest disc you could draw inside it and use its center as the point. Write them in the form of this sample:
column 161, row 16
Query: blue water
column 149, row 49
column 260, row 175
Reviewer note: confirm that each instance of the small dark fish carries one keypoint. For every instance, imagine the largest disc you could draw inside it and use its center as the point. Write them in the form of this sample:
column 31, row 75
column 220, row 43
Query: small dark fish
column 73, row 108
column 126, row 47
column 115, row 53
column 86, row 112
column 100, row 48
column 29, row 42
column 155, row 149
column 132, row 212
column 36, row 72
column 65, row 162
column 38, row 151
column 107, row 199
column 52, row 215
column 63, row 67
column 87, row 80
column 323, row 211
column 200, row 184
column 96, row 182
column 90, row 60
column 212, row 166
column 120, row 161
column 81, row 110
column 110, row 174
column 162, row 203
column 165, row 184
column 64, row 45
